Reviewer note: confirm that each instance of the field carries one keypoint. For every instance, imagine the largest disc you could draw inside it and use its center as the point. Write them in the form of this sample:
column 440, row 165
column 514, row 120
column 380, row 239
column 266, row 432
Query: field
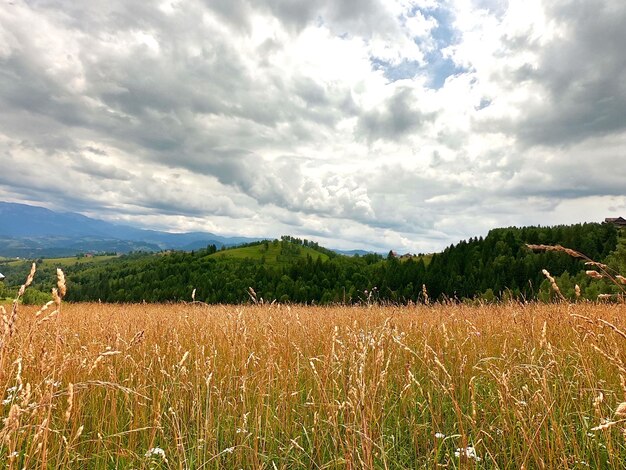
column 191, row 386
column 271, row 254
column 59, row 262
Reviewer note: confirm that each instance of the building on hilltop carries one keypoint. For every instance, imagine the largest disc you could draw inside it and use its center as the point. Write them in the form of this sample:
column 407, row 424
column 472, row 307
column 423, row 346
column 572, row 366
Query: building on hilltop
column 1, row 277
column 617, row 221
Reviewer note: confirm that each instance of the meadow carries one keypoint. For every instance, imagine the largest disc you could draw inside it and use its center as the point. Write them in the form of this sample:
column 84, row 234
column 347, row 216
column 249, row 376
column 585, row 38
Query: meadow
column 286, row 387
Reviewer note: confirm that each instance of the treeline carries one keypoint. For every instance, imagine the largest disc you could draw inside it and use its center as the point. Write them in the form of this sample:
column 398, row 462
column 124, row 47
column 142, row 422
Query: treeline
column 499, row 265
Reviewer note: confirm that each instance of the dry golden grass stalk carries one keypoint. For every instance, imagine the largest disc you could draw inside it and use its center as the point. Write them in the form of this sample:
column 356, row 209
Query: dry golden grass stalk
column 11, row 423
column 620, row 412
column 44, row 308
column 425, row 294
column 252, row 295
column 5, row 321
column 607, row 425
column 138, row 338
column 613, row 327
column 569, row 251
column 594, row 274
column 29, row 280
column 61, row 283
column 553, row 284
column 606, row 271
column 16, row 301
column 70, row 401
column 595, row 263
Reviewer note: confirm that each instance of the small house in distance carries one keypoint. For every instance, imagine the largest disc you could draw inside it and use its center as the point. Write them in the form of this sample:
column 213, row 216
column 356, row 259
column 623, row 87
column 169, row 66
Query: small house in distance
column 1, row 277
column 619, row 222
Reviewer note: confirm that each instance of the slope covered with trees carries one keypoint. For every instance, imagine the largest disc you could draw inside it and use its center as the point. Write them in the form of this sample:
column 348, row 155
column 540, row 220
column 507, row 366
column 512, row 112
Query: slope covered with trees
column 499, row 265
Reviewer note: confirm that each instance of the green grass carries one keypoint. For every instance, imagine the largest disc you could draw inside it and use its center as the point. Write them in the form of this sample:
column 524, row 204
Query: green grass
column 427, row 258
column 13, row 262
column 58, row 262
column 272, row 253
column 72, row 260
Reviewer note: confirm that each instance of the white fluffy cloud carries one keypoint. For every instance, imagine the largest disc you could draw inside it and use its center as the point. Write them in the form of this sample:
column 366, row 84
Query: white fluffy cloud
column 404, row 124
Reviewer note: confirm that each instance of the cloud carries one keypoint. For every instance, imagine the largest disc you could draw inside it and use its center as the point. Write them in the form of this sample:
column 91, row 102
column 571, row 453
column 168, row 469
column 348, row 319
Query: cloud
column 403, row 124
column 396, row 117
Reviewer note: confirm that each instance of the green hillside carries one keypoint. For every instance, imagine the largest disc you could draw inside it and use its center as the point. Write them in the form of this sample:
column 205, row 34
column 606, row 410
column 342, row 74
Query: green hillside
column 292, row 270
column 272, row 253
column 56, row 262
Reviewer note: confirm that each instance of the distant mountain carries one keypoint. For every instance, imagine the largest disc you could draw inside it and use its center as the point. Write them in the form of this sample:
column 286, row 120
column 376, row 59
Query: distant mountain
column 32, row 231
column 354, row 252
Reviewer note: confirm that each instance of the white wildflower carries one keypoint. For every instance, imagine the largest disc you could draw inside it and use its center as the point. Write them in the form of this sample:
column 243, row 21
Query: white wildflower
column 11, row 395
column 156, row 452
column 469, row 452
column 440, row 435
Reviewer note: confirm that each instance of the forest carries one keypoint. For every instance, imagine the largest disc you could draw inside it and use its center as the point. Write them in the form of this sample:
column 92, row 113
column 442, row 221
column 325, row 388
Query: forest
column 498, row 266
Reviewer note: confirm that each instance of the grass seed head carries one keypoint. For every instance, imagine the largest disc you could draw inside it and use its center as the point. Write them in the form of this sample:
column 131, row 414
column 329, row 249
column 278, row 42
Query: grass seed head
column 594, row 274
column 61, row 283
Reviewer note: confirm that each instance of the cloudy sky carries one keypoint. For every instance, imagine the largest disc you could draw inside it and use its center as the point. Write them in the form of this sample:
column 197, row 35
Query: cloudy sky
column 378, row 124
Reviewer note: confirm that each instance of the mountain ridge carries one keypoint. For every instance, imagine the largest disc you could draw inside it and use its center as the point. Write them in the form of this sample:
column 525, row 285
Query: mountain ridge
column 34, row 231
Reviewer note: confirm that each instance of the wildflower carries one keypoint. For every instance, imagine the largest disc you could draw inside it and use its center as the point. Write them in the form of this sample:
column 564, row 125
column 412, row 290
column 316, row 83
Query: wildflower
column 599, row 399
column 440, row 435
column 469, row 453
column 156, row 452
column 11, row 395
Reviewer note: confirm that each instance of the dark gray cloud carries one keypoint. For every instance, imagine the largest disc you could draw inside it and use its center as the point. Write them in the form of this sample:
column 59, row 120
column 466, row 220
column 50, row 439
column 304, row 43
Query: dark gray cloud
column 98, row 169
column 394, row 119
column 580, row 74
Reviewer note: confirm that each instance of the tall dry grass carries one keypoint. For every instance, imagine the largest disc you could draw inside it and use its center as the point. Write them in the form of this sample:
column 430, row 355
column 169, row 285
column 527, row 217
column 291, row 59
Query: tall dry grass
column 269, row 386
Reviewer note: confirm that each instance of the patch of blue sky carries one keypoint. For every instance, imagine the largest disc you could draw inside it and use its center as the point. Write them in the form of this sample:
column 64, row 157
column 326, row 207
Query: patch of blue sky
column 437, row 67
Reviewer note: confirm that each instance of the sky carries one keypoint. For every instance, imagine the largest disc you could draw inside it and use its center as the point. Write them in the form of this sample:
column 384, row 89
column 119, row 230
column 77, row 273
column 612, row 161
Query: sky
column 372, row 124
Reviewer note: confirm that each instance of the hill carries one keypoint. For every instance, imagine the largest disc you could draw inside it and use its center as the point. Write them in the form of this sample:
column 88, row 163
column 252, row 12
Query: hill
column 292, row 270
column 271, row 253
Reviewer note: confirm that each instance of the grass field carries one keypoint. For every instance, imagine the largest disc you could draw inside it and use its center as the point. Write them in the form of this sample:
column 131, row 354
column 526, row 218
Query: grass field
column 191, row 386
column 59, row 262
column 271, row 255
